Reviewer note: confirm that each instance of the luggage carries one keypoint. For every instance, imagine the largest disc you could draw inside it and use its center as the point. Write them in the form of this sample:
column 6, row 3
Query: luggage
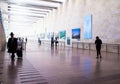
column 19, row 49
column 19, row 53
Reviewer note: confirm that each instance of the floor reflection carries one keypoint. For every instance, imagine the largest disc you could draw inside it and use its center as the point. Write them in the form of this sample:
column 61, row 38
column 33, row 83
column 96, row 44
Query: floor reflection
column 12, row 70
column 98, row 67
column 52, row 51
column 64, row 64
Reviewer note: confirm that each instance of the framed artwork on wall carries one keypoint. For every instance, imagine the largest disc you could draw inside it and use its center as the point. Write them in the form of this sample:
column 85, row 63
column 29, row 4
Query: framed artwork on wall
column 88, row 27
column 68, row 40
column 76, row 33
column 62, row 34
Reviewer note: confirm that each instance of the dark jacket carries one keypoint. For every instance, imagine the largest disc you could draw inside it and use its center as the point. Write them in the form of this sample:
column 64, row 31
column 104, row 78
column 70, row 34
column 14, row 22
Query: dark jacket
column 12, row 45
column 98, row 43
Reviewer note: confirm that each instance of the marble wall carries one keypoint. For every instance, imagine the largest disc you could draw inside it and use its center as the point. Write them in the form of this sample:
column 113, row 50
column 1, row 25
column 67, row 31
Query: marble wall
column 105, row 19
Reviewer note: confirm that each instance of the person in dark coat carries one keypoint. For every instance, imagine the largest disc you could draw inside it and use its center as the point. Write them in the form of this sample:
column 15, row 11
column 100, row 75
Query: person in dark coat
column 56, row 41
column 98, row 43
column 52, row 42
column 12, row 45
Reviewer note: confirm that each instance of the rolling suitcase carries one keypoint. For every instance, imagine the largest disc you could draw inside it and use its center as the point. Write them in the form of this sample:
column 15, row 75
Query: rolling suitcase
column 19, row 53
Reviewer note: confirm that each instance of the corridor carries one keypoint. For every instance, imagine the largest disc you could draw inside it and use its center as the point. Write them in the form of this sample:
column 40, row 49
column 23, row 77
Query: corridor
column 61, row 65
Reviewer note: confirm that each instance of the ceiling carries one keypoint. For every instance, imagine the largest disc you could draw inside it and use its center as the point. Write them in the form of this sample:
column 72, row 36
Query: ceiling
column 25, row 12
column 30, row 10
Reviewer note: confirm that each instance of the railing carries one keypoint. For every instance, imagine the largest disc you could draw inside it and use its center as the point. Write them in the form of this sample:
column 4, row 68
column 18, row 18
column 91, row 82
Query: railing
column 61, row 43
column 115, row 48
column 48, row 42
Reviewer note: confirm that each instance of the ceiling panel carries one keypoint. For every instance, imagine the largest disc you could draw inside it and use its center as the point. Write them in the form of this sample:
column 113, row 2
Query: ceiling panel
column 26, row 12
column 32, row 8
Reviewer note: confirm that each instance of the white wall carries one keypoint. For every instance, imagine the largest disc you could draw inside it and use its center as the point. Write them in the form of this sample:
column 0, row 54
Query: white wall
column 105, row 19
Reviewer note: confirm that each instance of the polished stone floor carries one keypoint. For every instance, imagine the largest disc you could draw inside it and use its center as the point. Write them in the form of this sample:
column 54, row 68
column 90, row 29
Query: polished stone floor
column 42, row 64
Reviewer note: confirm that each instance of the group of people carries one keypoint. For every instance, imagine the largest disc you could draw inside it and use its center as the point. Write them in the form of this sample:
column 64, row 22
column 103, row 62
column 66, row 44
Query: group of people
column 54, row 41
column 15, row 45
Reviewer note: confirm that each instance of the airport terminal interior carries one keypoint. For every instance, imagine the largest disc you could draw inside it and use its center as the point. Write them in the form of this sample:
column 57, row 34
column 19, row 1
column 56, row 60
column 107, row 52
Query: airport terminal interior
column 56, row 41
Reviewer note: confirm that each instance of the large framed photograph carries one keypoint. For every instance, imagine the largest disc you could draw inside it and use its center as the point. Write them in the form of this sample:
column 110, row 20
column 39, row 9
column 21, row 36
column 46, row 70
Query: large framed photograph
column 88, row 27
column 76, row 33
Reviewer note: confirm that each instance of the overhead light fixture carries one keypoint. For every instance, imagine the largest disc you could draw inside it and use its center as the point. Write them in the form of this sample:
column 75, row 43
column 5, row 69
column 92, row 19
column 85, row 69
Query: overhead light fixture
column 29, row 11
column 22, row 17
column 25, row 13
column 36, row 2
column 60, row 0
column 13, row 6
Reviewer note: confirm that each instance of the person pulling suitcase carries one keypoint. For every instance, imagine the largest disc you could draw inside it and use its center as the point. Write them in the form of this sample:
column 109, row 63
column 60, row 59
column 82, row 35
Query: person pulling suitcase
column 19, row 48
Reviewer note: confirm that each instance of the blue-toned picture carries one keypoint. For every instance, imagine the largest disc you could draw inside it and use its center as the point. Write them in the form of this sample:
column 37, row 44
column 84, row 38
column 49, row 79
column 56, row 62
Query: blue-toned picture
column 62, row 34
column 88, row 27
column 68, row 40
column 0, row 17
column 76, row 33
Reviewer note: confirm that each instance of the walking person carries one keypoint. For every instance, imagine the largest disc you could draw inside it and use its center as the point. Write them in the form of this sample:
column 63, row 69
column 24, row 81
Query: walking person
column 12, row 45
column 19, row 48
column 26, row 40
column 98, row 43
column 56, row 41
column 25, row 43
column 39, row 41
column 52, row 42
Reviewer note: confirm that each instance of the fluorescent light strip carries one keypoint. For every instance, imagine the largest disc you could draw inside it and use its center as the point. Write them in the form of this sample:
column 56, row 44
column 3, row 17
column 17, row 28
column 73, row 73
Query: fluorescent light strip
column 13, row 23
column 29, row 11
column 36, row 2
column 60, row 0
column 21, row 21
column 22, row 17
column 25, row 13
column 20, row 24
column 26, row 8
column 53, row 1
column 31, row 16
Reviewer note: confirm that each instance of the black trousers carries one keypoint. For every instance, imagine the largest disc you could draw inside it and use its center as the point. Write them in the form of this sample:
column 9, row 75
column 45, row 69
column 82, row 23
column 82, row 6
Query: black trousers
column 13, row 56
column 98, row 49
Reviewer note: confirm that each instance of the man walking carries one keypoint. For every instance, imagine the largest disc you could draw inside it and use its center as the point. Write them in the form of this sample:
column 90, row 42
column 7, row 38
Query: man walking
column 12, row 45
column 98, row 43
